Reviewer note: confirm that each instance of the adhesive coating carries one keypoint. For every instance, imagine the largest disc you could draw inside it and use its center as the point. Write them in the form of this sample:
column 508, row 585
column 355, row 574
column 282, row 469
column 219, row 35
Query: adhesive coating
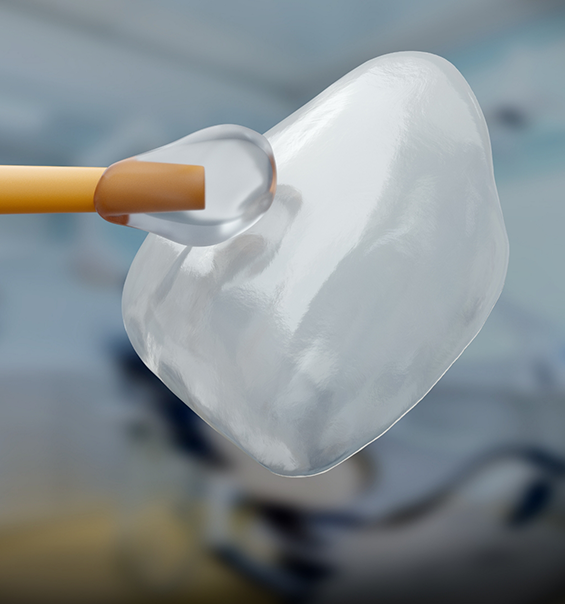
column 240, row 182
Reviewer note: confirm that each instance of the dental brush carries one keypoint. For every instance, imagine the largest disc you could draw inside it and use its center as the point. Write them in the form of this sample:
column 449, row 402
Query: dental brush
column 200, row 190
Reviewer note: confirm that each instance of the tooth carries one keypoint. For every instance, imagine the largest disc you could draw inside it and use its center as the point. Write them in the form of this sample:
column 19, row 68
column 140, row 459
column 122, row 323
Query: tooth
column 308, row 336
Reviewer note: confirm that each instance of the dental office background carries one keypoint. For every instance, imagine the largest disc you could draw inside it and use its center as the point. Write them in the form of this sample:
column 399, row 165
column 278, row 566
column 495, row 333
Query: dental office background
column 109, row 487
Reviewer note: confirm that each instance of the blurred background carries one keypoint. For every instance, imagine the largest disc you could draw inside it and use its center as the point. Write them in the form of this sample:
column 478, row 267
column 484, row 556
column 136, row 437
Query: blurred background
column 110, row 488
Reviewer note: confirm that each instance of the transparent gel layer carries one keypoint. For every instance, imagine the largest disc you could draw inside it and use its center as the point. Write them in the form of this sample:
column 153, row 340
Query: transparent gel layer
column 308, row 336
column 240, row 181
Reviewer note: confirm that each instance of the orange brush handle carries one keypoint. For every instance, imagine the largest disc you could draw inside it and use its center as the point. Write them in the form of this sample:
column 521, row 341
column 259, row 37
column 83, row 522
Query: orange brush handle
column 38, row 189
column 128, row 186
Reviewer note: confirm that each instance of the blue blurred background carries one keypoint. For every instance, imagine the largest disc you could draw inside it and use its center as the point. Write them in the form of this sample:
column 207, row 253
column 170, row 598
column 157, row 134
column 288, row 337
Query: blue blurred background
column 110, row 489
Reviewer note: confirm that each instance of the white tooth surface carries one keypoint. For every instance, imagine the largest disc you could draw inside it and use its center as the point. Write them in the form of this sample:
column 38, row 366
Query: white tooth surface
column 306, row 337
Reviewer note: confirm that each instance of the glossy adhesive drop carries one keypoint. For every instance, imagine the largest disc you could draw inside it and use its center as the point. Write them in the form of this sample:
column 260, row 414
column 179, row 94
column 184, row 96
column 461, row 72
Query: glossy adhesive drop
column 233, row 164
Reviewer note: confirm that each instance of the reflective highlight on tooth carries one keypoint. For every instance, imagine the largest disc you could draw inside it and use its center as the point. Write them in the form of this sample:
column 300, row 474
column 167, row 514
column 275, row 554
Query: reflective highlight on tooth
column 308, row 336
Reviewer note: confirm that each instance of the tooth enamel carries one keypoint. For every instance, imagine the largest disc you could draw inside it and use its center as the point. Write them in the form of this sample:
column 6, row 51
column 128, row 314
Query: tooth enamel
column 305, row 338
